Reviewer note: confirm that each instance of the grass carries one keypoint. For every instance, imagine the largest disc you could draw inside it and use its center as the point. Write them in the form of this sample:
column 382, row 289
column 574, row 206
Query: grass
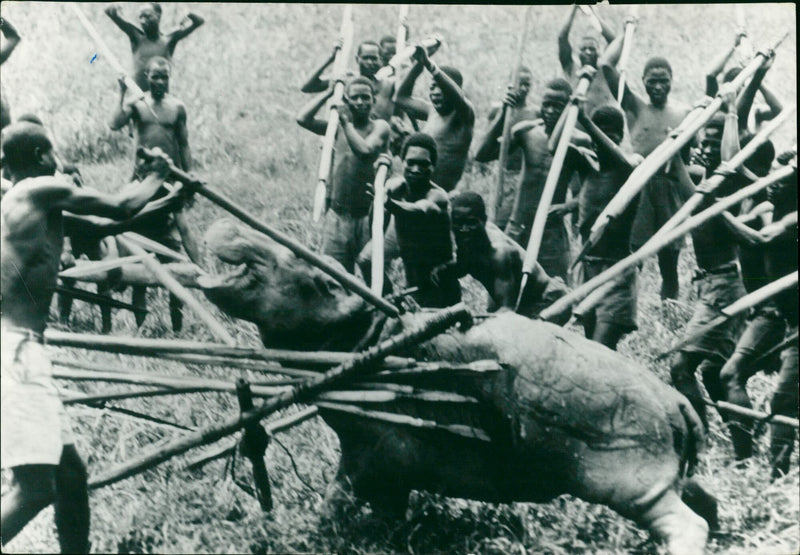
column 239, row 76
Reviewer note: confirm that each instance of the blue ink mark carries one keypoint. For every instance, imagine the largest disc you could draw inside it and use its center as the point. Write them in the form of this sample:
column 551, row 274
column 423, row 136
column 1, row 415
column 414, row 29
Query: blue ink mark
column 93, row 58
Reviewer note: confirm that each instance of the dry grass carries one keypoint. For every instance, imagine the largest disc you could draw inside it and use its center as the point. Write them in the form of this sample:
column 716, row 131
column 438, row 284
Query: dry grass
column 239, row 76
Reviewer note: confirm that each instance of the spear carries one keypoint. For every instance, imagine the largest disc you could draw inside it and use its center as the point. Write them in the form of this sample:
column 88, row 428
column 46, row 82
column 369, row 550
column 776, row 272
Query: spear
column 542, row 210
column 301, row 251
column 339, row 67
column 496, row 193
column 741, row 305
column 377, row 224
column 627, row 46
column 685, row 132
column 85, row 269
column 745, row 49
column 653, row 247
column 364, row 363
column 402, row 30
column 431, row 44
column 725, row 168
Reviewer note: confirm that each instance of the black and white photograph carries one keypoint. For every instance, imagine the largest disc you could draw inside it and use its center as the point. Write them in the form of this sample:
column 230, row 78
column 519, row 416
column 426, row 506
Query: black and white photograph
column 399, row 278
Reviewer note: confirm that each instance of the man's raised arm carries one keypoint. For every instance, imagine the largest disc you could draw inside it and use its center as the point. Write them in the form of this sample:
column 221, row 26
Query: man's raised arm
column 414, row 107
column 745, row 101
column 315, row 83
column 630, row 100
column 605, row 144
column 564, row 47
column 125, row 111
column 133, row 32
column 307, row 117
column 12, row 39
column 184, row 31
column 364, row 147
column 435, row 203
column 450, row 88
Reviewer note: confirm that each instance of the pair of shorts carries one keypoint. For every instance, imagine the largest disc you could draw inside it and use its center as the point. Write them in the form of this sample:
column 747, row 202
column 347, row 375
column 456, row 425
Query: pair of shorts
column 715, row 292
column 617, row 304
column 765, row 329
column 660, row 199
column 35, row 427
column 344, row 237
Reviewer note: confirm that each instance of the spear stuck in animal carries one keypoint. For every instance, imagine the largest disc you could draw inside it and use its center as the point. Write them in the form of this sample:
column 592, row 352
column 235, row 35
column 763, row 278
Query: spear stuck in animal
column 741, row 305
column 362, row 364
column 570, row 118
column 347, row 280
column 496, row 192
column 339, row 67
column 627, row 46
column 685, row 132
column 653, row 247
column 377, row 225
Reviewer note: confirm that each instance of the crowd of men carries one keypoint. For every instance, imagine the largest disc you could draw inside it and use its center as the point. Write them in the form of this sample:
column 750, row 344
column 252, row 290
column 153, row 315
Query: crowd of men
column 437, row 226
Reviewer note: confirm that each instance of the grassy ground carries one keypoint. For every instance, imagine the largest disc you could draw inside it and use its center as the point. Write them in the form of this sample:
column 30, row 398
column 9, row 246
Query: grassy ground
column 239, row 76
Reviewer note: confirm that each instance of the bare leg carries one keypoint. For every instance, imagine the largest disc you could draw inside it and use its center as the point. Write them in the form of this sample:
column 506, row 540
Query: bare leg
column 684, row 380
column 33, row 489
column 733, row 378
column 65, row 302
column 72, row 503
column 784, row 402
column 668, row 266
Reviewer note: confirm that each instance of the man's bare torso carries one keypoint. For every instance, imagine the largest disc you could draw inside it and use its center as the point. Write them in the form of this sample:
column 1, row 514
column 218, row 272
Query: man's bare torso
column 157, row 124
column 453, row 136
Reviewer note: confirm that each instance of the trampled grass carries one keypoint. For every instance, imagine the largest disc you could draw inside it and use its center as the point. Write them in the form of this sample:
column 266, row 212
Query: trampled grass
column 239, row 76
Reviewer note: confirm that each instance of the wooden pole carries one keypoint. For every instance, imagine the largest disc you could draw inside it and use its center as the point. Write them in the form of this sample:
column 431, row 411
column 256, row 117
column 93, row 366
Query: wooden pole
column 773, row 418
column 101, row 300
column 738, row 307
column 721, row 173
column 543, row 209
column 142, row 346
column 136, row 274
column 377, row 225
column 496, row 192
column 402, row 55
column 589, row 12
column 339, row 67
column 627, row 46
column 153, row 246
column 400, row 42
column 686, row 131
column 652, row 248
column 84, row 269
column 363, row 364
column 179, row 291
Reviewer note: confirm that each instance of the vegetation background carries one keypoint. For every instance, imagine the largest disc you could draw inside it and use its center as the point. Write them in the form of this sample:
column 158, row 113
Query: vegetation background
column 239, row 76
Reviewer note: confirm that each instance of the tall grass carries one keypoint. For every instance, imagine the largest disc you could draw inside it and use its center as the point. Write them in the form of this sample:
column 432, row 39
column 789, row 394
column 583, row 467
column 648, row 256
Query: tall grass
column 239, row 77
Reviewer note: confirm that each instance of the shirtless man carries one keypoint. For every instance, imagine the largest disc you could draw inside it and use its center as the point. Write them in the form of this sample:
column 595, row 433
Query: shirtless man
column 649, row 122
column 11, row 42
column 765, row 330
column 388, row 48
column 718, row 277
column 615, row 314
column 588, row 54
column 37, row 443
column 160, row 121
column 347, row 227
column 488, row 255
column 532, row 137
column 488, row 149
column 449, row 118
column 149, row 42
column 419, row 229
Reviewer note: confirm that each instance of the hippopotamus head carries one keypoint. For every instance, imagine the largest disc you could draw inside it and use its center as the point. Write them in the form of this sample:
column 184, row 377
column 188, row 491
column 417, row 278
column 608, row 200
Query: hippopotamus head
column 294, row 304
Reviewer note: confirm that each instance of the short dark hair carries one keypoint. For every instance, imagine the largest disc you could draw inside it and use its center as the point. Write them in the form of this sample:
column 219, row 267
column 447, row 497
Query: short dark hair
column 156, row 7
column 421, row 140
column 609, row 115
column 387, row 38
column 31, row 118
column 453, row 74
column 559, row 84
column 366, row 42
column 471, row 200
column 159, row 61
column 20, row 140
column 761, row 160
column 361, row 80
column 657, row 62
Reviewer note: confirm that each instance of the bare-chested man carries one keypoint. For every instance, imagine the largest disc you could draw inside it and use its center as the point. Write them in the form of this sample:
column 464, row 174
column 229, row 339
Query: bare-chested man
column 419, row 229
column 37, row 443
column 615, row 314
column 160, row 121
column 149, row 42
column 588, row 54
column 491, row 257
column 488, row 148
column 532, row 137
column 650, row 122
column 359, row 142
column 11, row 42
column 449, row 117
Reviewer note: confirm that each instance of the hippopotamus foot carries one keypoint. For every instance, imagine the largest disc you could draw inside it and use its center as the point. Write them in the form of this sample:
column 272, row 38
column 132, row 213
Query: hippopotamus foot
column 701, row 502
column 670, row 519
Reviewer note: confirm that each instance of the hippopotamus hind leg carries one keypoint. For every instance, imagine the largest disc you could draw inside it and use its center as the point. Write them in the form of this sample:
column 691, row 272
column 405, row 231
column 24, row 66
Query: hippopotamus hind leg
column 680, row 527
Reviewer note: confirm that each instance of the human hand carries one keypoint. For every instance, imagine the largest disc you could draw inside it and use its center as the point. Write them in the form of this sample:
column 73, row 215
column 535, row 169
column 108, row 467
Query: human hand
column 728, row 95
column 558, row 210
column 785, row 157
column 741, row 33
column 195, row 19
column 421, row 56
column 344, row 113
column 439, row 272
column 383, row 159
column 587, row 72
column 113, row 10
column 67, row 260
column 337, row 45
column 511, row 97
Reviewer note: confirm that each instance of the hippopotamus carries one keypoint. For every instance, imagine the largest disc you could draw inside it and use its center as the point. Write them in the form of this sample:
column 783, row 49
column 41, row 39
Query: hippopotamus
column 555, row 414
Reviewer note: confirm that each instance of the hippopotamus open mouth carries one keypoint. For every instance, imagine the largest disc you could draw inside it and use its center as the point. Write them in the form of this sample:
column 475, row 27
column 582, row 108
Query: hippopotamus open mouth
column 293, row 304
